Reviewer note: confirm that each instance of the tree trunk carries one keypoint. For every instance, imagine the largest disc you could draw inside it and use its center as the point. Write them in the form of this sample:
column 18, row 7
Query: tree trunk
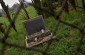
column 83, row 4
column 37, row 3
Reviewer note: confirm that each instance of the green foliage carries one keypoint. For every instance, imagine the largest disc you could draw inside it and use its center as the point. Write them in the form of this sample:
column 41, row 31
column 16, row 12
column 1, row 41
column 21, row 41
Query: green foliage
column 68, row 37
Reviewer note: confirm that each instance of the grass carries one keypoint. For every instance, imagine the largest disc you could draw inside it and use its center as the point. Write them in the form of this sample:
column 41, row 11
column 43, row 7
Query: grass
column 68, row 36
